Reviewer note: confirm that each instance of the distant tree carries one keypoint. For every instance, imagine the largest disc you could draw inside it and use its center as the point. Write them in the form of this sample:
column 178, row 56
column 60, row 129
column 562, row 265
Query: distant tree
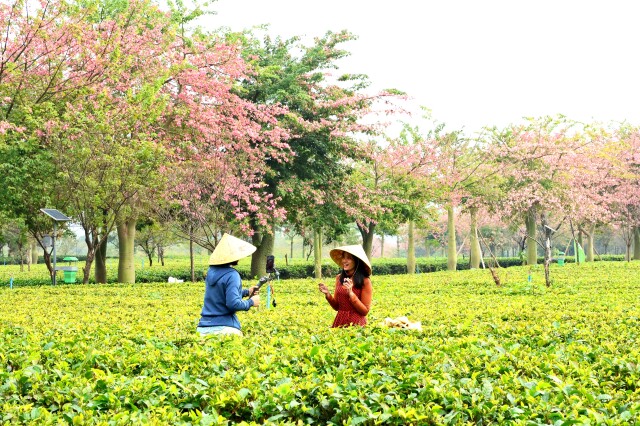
column 16, row 236
column 145, row 230
column 393, row 196
column 448, row 165
column 396, row 176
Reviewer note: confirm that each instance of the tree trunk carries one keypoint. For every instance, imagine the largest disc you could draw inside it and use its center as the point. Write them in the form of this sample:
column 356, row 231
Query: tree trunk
column 475, row 252
column 547, row 261
column 291, row 249
column 126, row 246
column 34, row 254
column 452, row 250
column 317, row 252
column 29, row 256
column 547, row 249
column 580, row 238
column 100, row 270
column 532, row 248
column 590, row 255
column 21, row 256
column 47, row 260
column 191, row 260
column 382, row 245
column 636, row 243
column 264, row 242
column 411, row 250
column 367, row 238
column 91, row 240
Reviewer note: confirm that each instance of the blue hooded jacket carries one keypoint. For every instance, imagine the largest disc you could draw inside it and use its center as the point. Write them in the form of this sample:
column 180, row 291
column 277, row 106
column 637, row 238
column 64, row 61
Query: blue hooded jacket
column 223, row 297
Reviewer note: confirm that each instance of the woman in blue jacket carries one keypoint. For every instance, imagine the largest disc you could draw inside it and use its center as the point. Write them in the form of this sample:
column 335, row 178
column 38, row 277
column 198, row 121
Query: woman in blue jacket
column 223, row 295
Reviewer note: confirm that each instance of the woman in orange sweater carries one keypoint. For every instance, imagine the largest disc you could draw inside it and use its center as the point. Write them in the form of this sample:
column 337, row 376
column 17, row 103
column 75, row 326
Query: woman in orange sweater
column 353, row 292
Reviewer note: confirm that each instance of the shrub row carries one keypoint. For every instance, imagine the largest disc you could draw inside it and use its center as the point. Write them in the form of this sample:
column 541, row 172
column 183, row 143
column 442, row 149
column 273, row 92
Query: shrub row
column 397, row 266
column 15, row 260
column 181, row 270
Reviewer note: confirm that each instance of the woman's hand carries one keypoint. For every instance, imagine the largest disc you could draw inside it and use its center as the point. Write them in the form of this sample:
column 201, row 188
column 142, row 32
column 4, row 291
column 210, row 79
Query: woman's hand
column 254, row 290
column 323, row 289
column 348, row 285
column 256, row 300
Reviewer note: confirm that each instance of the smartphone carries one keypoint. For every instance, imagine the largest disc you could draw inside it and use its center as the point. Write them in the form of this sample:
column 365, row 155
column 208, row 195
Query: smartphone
column 271, row 267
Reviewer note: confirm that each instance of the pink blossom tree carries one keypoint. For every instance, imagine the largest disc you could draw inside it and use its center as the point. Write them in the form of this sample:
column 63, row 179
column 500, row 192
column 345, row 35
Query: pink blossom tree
column 61, row 67
column 537, row 161
column 402, row 173
column 625, row 204
column 105, row 144
column 455, row 171
column 218, row 144
column 591, row 184
column 34, row 37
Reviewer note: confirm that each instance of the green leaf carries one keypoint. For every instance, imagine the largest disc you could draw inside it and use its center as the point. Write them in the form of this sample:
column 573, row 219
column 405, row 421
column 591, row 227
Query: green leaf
column 314, row 351
column 244, row 393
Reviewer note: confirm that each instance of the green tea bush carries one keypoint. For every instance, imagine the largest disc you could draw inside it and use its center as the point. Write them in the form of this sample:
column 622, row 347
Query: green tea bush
column 520, row 354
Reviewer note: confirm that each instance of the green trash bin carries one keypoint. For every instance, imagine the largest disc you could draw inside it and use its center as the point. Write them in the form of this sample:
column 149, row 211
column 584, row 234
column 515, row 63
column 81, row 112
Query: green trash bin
column 561, row 258
column 70, row 271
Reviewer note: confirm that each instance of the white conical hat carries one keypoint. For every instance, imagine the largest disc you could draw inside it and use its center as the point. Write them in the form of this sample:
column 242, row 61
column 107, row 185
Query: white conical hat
column 356, row 251
column 230, row 249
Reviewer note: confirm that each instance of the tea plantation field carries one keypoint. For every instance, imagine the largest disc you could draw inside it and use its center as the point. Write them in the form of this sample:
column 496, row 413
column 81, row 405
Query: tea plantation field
column 520, row 354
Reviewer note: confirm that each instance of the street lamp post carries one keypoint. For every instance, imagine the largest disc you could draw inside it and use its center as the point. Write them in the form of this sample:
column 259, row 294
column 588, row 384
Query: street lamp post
column 57, row 216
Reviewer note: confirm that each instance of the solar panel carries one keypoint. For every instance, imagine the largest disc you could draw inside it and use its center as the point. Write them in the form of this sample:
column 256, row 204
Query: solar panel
column 55, row 215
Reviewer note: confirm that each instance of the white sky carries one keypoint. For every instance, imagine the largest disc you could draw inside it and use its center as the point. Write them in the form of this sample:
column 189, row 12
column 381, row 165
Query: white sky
column 477, row 62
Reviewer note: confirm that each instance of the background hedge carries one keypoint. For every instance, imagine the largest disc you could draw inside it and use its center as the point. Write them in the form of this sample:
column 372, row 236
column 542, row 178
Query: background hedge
column 180, row 269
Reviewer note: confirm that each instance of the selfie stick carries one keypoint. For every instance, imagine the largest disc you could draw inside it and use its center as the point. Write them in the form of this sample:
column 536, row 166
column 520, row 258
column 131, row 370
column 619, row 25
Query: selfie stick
column 268, row 296
column 265, row 280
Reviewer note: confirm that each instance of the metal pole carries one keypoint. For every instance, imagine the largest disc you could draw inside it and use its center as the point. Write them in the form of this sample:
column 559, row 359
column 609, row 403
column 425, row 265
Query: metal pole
column 55, row 229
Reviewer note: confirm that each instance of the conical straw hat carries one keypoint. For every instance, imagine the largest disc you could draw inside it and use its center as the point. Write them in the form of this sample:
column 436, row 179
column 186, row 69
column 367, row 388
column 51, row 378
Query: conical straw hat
column 356, row 251
column 230, row 249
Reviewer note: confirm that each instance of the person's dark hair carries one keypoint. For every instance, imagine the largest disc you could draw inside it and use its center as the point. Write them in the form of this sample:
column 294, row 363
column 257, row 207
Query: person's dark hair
column 235, row 262
column 359, row 274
